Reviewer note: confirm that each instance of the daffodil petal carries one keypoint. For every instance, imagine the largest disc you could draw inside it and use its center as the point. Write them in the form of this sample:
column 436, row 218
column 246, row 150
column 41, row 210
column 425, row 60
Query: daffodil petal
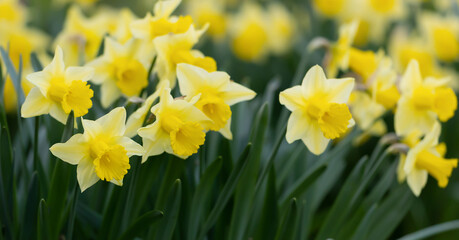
column 35, row 104
column 313, row 81
column 114, row 122
column 131, row 147
column 315, row 140
column 416, row 180
column 340, row 89
column 57, row 65
column 226, row 130
column 86, row 174
column 110, row 93
column 237, row 93
column 79, row 73
column 41, row 80
column 292, row 98
column 71, row 151
column 411, row 78
column 58, row 113
column 297, row 126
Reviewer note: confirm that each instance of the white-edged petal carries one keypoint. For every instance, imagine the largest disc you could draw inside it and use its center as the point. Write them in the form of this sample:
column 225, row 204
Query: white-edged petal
column 292, row 98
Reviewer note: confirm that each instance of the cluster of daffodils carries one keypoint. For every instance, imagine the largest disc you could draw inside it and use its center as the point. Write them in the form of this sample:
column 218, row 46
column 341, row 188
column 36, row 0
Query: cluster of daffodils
column 253, row 31
column 157, row 51
column 419, row 98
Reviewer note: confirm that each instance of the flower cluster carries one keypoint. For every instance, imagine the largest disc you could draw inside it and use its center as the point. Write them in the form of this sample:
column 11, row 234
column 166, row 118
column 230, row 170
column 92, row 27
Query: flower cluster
column 161, row 42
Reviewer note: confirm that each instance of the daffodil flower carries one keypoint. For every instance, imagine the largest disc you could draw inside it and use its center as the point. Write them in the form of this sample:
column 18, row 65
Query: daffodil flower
column 173, row 49
column 424, row 159
column 121, row 70
column 59, row 90
column 137, row 118
column 216, row 94
column 178, row 128
column 161, row 23
column 422, row 101
column 319, row 110
column 102, row 151
column 341, row 49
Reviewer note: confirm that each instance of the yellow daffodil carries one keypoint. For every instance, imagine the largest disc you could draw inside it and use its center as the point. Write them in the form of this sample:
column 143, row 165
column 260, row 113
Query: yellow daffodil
column 162, row 22
column 319, row 110
column 442, row 34
column 424, row 159
column 121, row 70
column 281, row 33
column 173, row 49
column 178, row 128
column 216, row 94
column 81, row 37
column 117, row 22
column 101, row 152
column 363, row 63
column 59, row 90
column 249, row 33
column 384, row 83
column 209, row 12
column 422, row 101
column 340, row 51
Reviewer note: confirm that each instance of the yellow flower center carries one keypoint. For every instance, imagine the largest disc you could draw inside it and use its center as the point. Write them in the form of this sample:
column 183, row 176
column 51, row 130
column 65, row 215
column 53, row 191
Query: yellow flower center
column 186, row 137
column 383, row 6
column 250, row 43
column 216, row 109
column 185, row 56
column 76, row 97
column 131, row 76
column 329, row 7
column 110, row 161
column 446, row 44
column 440, row 168
column 333, row 118
column 442, row 101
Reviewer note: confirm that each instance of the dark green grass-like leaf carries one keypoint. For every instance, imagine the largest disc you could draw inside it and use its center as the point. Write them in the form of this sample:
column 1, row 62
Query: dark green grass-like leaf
column 31, row 209
column 141, row 224
column 432, row 230
column 226, row 192
column 245, row 191
column 201, row 197
column 15, row 75
column 266, row 229
column 35, row 62
column 42, row 221
column 171, row 212
column 287, row 228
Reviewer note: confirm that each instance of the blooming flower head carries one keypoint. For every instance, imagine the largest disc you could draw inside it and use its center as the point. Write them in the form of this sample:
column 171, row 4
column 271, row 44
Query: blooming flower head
column 366, row 112
column 81, row 37
column 13, row 12
column 424, row 159
column 59, row 90
column 173, row 49
column 442, row 35
column 121, row 70
column 330, row 8
column 422, row 101
column 216, row 94
column 319, row 110
column 282, row 30
column 101, row 152
column 340, row 51
column 162, row 22
column 210, row 12
column 249, row 33
column 178, row 128
column 137, row 118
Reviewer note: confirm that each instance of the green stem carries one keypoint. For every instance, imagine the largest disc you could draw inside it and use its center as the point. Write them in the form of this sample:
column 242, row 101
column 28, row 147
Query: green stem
column 73, row 204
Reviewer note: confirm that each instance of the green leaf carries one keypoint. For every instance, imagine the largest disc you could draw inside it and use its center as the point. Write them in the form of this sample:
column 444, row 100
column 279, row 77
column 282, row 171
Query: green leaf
column 31, row 209
column 201, row 197
column 287, row 229
column 302, row 184
column 362, row 229
column 171, row 212
column 388, row 216
column 432, row 230
column 174, row 169
column 42, row 221
column 141, row 224
column 15, row 75
column 58, row 189
column 266, row 229
column 245, row 191
column 36, row 64
column 226, row 192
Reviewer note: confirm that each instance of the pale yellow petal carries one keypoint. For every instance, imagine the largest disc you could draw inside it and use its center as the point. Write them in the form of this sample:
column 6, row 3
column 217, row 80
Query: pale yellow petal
column 71, row 151
column 35, row 104
column 165, row 8
column 408, row 118
column 109, row 93
column 401, row 175
column 417, row 179
column 57, row 65
column 411, row 78
column 313, row 81
column 315, row 140
column 340, row 89
column 131, row 147
column 78, row 73
column 292, row 98
column 141, row 28
column 226, row 130
column 113, row 123
column 298, row 126
column 41, row 80
column 237, row 93
column 91, row 128
column 137, row 118
column 58, row 113
column 86, row 174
